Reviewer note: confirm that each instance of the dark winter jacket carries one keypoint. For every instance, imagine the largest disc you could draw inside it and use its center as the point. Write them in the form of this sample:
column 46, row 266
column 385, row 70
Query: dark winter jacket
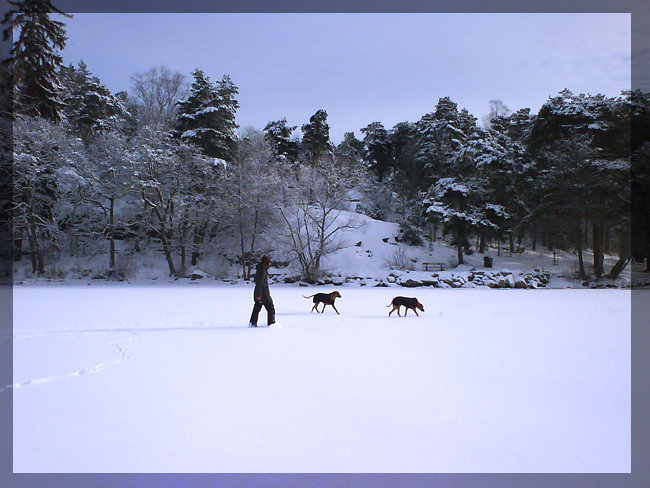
column 262, row 283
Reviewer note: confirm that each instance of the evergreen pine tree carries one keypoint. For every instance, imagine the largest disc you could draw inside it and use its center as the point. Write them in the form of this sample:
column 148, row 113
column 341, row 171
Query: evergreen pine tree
column 278, row 135
column 640, row 146
column 207, row 118
column 316, row 137
column 441, row 135
column 377, row 149
column 34, row 58
column 350, row 151
column 226, row 95
column 89, row 106
column 580, row 144
column 403, row 138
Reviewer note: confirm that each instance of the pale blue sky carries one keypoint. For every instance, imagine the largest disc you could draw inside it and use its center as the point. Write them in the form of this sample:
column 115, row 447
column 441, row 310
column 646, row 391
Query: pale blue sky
column 365, row 67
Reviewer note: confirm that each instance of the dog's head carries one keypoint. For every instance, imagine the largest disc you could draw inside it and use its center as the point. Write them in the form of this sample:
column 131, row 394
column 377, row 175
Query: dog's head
column 335, row 294
column 420, row 306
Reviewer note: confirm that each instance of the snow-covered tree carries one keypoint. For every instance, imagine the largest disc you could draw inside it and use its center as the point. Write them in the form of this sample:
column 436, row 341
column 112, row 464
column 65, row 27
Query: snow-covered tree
column 349, row 152
column 89, row 107
column 160, row 178
column 252, row 179
column 34, row 58
column 310, row 214
column 207, row 118
column 580, row 144
column 501, row 165
column 106, row 178
column 6, row 174
column 41, row 154
column 640, row 146
column 403, row 139
column 459, row 205
column 377, row 149
column 441, row 135
column 228, row 105
column 278, row 135
column 316, row 138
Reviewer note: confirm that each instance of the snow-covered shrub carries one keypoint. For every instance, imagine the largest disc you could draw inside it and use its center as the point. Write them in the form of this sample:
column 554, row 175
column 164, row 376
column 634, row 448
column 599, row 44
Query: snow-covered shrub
column 399, row 259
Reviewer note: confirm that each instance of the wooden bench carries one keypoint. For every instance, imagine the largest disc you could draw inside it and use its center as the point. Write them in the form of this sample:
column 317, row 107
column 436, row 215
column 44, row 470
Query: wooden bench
column 440, row 265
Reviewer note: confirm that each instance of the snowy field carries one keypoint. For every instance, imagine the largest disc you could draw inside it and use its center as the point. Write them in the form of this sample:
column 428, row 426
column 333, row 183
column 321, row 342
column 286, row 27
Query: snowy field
column 170, row 379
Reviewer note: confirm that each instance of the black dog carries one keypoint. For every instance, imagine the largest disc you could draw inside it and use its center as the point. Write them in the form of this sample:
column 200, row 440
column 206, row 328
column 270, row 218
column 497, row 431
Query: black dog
column 407, row 303
column 325, row 299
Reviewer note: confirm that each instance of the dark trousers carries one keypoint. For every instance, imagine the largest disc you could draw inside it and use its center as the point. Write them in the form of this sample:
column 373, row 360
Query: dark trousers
column 270, row 311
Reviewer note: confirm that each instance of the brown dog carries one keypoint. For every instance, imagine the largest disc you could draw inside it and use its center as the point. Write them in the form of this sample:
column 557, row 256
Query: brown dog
column 325, row 299
column 407, row 303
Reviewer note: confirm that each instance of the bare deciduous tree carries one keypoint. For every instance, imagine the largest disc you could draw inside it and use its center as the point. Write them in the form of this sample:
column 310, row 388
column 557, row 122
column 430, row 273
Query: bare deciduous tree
column 156, row 92
column 311, row 217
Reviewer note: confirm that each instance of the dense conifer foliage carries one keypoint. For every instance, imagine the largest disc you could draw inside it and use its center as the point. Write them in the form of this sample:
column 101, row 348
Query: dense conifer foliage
column 34, row 57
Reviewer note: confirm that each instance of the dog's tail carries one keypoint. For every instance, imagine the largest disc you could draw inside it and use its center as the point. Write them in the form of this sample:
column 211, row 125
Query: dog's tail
column 308, row 296
column 390, row 304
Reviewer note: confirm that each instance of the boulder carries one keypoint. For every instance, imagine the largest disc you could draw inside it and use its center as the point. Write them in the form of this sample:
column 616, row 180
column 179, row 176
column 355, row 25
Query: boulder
column 411, row 283
column 197, row 274
column 520, row 284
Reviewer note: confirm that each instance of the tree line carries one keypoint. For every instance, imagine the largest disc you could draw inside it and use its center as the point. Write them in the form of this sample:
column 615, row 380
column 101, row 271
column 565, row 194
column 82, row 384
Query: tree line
column 166, row 166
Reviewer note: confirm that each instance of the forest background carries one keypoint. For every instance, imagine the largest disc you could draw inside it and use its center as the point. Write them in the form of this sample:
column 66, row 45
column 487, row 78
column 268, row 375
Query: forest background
column 165, row 168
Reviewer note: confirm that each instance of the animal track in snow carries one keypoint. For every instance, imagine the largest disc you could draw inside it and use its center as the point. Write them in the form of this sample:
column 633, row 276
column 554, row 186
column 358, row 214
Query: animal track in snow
column 133, row 328
column 93, row 369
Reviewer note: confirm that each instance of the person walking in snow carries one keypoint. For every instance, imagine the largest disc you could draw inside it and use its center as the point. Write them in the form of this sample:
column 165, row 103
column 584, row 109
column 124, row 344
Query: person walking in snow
column 261, row 294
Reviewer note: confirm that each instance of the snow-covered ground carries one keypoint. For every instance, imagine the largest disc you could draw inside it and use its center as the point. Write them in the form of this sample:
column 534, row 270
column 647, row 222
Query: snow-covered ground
column 373, row 254
column 169, row 379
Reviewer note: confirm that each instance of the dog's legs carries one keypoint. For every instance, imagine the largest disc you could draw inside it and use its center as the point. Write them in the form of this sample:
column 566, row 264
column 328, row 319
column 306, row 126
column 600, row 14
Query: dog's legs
column 406, row 311
column 416, row 312
column 315, row 307
column 393, row 309
column 335, row 309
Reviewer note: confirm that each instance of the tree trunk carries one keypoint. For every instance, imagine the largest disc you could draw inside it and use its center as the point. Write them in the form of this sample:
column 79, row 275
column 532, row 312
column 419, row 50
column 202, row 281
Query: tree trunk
column 459, row 246
column 598, row 249
column 167, row 250
column 481, row 245
column 646, row 244
column 38, row 261
column 625, row 254
column 581, row 261
column 111, row 233
column 18, row 249
column 199, row 235
column 252, row 251
column 32, row 250
column 619, row 267
column 433, row 230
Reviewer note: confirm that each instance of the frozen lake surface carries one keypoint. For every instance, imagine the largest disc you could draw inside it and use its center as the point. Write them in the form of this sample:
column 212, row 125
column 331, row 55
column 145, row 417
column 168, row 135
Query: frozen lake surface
column 131, row 379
